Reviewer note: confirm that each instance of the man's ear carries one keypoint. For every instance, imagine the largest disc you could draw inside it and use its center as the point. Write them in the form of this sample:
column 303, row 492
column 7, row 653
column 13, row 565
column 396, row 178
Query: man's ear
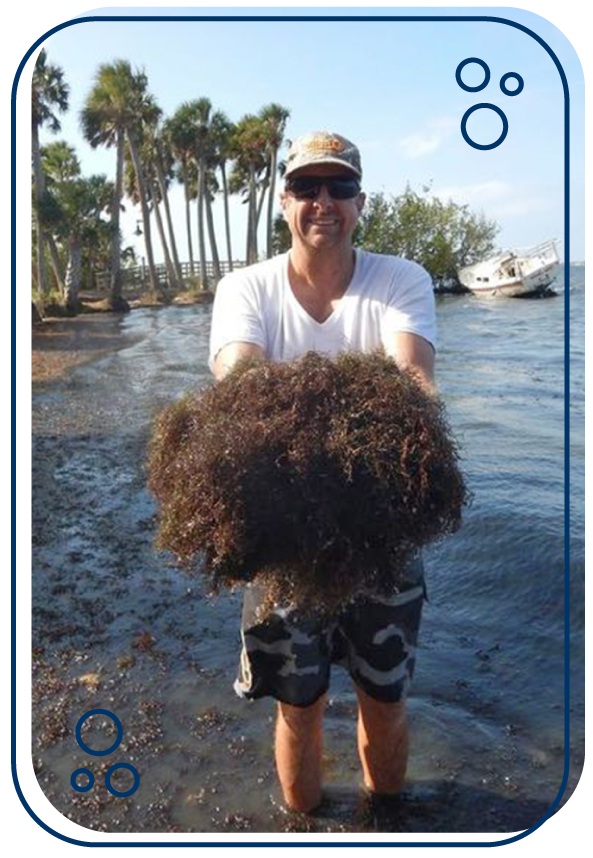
column 360, row 201
column 283, row 203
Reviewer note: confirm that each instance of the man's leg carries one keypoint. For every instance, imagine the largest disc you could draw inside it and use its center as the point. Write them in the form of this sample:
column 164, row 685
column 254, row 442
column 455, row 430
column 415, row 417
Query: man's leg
column 382, row 743
column 299, row 746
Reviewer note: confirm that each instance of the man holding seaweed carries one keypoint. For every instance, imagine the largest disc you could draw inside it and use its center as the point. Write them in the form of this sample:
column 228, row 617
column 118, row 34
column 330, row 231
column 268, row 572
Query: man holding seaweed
column 325, row 295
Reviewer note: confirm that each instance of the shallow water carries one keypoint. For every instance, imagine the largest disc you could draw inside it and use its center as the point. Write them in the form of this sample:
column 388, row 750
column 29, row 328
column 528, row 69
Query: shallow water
column 117, row 627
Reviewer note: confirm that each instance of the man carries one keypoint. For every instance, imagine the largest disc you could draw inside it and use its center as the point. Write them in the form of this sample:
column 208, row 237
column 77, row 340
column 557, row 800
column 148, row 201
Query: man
column 326, row 296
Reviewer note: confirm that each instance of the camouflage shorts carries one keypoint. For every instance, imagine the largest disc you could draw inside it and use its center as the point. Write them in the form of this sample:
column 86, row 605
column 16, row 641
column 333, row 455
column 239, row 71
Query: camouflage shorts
column 289, row 657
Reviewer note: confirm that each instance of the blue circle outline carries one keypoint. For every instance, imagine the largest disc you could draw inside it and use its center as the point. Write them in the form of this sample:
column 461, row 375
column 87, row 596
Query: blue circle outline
column 504, row 79
column 120, row 732
column 130, row 768
column 505, row 126
column 75, row 774
column 462, row 65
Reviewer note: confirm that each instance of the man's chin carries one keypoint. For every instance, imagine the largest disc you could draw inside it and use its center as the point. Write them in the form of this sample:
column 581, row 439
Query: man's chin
column 320, row 240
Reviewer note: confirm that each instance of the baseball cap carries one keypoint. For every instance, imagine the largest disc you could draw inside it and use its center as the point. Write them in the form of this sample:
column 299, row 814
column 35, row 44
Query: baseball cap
column 323, row 147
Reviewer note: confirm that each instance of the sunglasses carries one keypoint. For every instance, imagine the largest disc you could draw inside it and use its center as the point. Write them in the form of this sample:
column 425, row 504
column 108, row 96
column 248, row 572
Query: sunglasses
column 308, row 187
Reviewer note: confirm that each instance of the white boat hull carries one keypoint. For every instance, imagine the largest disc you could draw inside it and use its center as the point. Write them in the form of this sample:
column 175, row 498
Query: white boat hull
column 539, row 281
column 512, row 274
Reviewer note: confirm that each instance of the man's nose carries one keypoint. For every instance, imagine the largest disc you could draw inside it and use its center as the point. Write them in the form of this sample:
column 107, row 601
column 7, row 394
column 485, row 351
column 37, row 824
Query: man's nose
column 324, row 197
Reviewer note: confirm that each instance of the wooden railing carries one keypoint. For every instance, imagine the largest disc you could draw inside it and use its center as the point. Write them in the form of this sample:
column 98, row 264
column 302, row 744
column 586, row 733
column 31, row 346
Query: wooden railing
column 137, row 279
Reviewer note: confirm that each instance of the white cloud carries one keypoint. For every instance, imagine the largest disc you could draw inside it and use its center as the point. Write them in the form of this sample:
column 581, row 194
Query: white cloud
column 479, row 192
column 429, row 139
column 522, row 206
column 445, row 123
column 418, row 145
column 499, row 199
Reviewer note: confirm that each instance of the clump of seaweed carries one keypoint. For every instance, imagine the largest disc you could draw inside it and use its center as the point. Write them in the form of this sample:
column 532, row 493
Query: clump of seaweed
column 318, row 478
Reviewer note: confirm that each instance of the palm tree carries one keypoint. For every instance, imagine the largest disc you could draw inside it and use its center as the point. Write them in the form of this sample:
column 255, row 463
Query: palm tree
column 200, row 111
column 274, row 117
column 195, row 118
column 211, row 189
column 250, row 142
column 163, row 162
column 150, row 155
column 49, row 94
column 75, row 205
column 222, row 131
column 179, row 133
column 59, row 165
column 114, row 113
column 83, row 200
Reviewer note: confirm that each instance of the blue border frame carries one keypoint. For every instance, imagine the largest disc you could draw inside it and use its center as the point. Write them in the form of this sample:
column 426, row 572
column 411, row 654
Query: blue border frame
column 250, row 843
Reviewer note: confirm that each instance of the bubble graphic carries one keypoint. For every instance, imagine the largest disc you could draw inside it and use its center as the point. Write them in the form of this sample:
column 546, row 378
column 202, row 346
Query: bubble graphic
column 109, row 714
column 90, row 784
column 519, row 80
column 109, row 750
column 480, row 86
column 130, row 768
column 503, row 86
column 468, row 113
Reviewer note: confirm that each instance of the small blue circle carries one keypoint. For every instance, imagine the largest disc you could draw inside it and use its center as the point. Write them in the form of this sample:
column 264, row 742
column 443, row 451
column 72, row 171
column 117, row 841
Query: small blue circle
column 480, row 86
column 110, row 771
column 505, row 126
column 120, row 732
column 519, row 80
column 90, row 784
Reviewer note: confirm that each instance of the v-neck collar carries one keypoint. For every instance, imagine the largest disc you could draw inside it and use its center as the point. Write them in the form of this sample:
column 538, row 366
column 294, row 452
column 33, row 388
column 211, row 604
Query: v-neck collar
column 337, row 311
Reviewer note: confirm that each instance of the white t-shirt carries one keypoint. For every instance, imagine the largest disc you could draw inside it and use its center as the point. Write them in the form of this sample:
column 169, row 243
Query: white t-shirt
column 386, row 295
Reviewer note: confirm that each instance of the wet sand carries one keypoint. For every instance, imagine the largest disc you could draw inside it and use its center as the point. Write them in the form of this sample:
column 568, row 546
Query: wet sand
column 58, row 345
column 117, row 627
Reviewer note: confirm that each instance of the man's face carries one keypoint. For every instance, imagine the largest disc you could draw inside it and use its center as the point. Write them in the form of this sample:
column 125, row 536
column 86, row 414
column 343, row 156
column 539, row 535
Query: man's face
column 322, row 222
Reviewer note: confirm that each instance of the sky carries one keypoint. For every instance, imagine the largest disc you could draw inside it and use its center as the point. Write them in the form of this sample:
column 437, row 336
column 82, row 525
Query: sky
column 388, row 86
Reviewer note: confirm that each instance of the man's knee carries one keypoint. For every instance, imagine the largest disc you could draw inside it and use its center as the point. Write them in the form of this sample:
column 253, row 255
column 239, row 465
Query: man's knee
column 378, row 714
column 302, row 718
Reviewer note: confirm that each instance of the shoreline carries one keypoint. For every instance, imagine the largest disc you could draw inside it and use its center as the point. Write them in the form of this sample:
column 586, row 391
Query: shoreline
column 59, row 345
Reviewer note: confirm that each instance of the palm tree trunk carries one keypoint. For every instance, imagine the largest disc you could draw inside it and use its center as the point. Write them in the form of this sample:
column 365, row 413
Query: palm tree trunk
column 154, row 282
column 115, row 285
column 39, row 191
column 260, row 204
column 201, row 241
column 227, row 223
column 258, row 207
column 212, row 238
column 252, row 222
column 165, row 198
column 171, row 274
column 37, row 318
column 188, row 217
column 272, row 191
column 248, row 245
column 73, row 275
column 56, row 264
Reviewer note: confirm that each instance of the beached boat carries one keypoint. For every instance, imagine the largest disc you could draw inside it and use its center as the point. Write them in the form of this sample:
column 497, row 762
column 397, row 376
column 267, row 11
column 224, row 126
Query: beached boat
column 515, row 273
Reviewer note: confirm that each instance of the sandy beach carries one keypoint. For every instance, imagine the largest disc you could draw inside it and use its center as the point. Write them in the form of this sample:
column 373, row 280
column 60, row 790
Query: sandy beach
column 58, row 345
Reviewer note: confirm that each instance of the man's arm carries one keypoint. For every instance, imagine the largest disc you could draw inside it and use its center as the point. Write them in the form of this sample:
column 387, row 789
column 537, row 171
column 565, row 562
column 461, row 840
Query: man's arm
column 413, row 352
column 233, row 352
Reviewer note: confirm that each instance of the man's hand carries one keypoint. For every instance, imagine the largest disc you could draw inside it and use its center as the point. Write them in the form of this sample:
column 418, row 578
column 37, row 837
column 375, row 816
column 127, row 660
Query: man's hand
column 228, row 356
